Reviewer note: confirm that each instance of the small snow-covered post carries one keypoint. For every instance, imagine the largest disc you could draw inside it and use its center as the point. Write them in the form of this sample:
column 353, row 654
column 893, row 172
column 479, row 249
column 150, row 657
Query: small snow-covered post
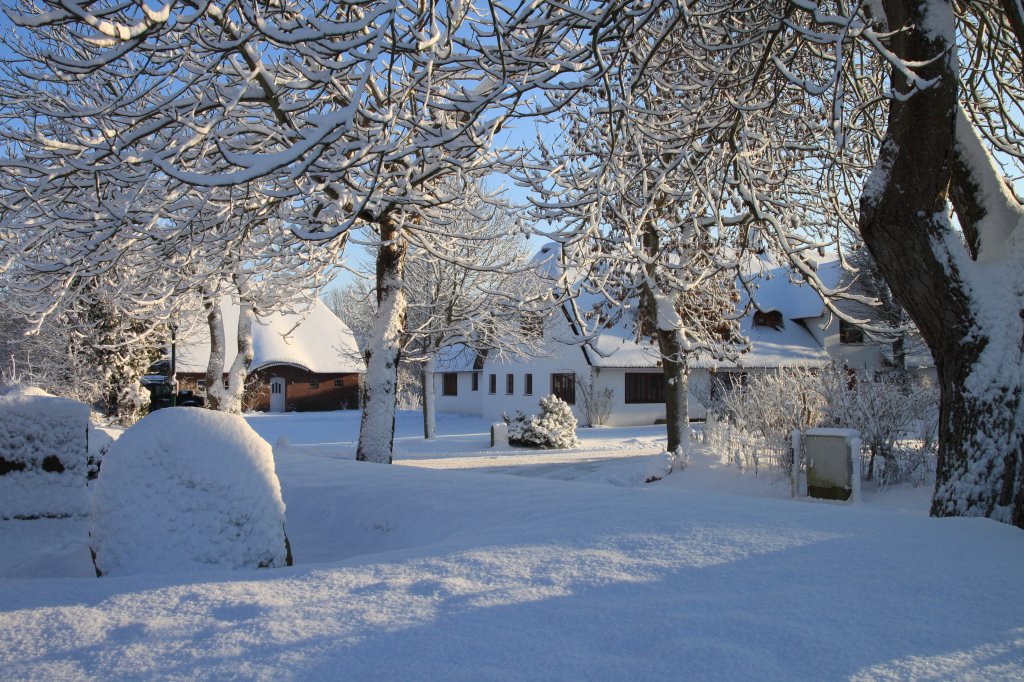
column 794, row 469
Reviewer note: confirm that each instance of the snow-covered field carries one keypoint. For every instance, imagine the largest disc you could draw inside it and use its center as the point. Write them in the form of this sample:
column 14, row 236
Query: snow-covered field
column 445, row 567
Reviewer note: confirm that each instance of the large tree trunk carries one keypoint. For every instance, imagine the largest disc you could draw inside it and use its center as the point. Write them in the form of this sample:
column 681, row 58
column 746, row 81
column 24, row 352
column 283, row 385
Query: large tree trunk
column 231, row 397
column 673, row 364
column 218, row 396
column 677, row 383
column 661, row 314
column 968, row 311
column 377, row 424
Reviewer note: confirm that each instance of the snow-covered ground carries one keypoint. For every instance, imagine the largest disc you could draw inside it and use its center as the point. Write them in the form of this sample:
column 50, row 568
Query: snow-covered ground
column 572, row 569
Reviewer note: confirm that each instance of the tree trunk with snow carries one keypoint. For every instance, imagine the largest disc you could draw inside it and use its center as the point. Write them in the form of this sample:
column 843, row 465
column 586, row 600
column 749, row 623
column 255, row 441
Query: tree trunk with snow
column 218, row 396
column 429, row 410
column 215, row 363
column 661, row 313
column 676, row 390
column 377, row 424
column 966, row 299
column 673, row 366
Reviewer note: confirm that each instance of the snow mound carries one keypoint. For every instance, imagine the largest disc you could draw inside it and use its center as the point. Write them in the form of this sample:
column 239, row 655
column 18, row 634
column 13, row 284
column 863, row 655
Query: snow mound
column 188, row 488
column 43, row 458
column 24, row 391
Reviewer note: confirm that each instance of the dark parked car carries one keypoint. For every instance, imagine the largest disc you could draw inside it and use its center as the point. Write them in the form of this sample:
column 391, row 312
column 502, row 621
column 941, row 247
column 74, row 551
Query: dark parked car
column 161, row 394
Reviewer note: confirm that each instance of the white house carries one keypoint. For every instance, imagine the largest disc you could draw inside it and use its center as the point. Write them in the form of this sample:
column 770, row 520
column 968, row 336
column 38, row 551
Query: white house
column 301, row 362
column 789, row 325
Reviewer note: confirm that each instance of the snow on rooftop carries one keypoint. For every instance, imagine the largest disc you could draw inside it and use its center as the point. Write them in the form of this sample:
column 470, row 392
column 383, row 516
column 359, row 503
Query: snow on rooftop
column 774, row 287
column 316, row 340
column 457, row 357
column 790, row 346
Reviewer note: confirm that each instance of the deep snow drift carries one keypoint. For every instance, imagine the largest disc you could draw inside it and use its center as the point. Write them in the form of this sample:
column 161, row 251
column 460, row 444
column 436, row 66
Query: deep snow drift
column 408, row 573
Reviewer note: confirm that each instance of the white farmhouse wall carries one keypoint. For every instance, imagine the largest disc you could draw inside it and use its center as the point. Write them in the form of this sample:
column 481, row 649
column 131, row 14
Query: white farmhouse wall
column 564, row 359
column 868, row 355
column 639, row 414
column 465, row 401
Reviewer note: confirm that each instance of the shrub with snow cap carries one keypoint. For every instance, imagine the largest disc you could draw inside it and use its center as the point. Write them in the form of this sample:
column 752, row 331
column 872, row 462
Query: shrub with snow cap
column 43, row 458
column 554, row 427
column 188, row 488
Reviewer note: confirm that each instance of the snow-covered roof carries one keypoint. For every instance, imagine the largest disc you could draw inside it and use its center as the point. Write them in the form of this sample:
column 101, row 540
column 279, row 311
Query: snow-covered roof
column 777, row 287
column 773, row 286
column 457, row 357
column 316, row 341
column 790, row 346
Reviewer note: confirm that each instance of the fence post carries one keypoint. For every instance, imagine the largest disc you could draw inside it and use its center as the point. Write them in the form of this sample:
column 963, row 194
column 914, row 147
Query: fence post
column 794, row 469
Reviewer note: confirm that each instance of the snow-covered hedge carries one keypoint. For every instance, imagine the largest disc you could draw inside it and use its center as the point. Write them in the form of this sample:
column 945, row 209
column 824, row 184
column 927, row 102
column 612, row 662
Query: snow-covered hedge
column 554, row 427
column 43, row 455
column 188, row 488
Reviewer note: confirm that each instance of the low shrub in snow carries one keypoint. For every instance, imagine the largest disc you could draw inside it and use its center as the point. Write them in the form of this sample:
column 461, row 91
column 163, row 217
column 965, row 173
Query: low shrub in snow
column 597, row 403
column 895, row 413
column 554, row 427
column 43, row 455
column 188, row 488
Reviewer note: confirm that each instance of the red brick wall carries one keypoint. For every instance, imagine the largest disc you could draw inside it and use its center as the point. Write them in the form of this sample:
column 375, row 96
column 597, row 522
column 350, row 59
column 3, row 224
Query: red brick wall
column 299, row 395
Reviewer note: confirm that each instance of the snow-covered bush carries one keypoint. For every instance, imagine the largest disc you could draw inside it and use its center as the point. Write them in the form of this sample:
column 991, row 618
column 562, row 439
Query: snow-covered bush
column 554, row 427
column 749, row 421
column 885, row 408
column 43, row 454
column 188, row 488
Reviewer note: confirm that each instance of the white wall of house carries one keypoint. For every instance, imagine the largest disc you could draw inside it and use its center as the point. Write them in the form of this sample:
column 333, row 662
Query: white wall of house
column 638, row 414
column 867, row 355
column 565, row 359
column 465, row 400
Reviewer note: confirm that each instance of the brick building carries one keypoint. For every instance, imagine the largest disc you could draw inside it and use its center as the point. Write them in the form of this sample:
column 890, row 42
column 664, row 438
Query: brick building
column 300, row 363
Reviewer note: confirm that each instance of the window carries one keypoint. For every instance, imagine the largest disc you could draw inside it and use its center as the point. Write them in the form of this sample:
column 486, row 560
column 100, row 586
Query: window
column 645, row 388
column 510, row 384
column 275, row 387
column 314, row 383
column 493, row 381
column 337, row 383
column 201, row 383
column 768, row 318
column 529, row 385
column 564, row 386
column 850, row 333
column 475, row 386
column 449, row 383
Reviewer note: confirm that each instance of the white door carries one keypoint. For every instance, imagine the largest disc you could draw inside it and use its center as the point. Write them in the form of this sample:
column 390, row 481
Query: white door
column 277, row 394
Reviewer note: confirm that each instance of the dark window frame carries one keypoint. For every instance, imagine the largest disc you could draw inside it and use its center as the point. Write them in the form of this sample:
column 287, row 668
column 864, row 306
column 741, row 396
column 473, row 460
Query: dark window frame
column 528, row 388
column 449, row 384
column 563, row 385
column 475, row 382
column 510, row 384
column 645, row 388
column 850, row 333
column 314, row 382
column 492, row 384
column 768, row 318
